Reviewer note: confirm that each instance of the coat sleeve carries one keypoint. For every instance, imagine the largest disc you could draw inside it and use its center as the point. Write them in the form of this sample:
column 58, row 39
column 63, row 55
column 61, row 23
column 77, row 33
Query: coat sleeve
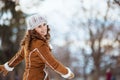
column 46, row 55
column 19, row 56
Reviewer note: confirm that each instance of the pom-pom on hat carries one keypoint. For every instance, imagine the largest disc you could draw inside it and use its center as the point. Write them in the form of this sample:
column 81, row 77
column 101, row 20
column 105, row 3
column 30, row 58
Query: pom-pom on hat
column 34, row 21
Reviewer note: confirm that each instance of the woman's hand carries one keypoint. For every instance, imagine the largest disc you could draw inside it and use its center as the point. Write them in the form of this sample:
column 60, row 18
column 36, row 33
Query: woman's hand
column 3, row 70
column 71, row 76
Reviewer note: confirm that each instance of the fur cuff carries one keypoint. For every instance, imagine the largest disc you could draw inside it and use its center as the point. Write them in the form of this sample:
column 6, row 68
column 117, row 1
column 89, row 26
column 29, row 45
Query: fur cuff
column 7, row 67
column 68, row 74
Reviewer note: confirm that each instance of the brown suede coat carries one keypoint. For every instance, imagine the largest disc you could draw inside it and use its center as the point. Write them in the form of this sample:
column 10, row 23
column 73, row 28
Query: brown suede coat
column 36, row 61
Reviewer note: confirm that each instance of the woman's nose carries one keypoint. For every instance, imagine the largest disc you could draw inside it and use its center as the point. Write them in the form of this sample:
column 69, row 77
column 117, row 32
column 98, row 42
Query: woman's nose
column 43, row 28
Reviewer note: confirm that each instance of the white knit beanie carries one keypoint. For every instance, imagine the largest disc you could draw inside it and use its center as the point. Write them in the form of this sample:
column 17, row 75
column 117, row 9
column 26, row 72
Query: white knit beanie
column 34, row 21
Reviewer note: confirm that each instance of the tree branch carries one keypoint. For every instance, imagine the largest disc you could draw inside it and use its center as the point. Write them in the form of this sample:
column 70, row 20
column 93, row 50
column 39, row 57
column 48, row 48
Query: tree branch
column 117, row 2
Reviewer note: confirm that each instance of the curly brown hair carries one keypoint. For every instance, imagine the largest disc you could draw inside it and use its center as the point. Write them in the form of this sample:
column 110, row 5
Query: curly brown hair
column 33, row 35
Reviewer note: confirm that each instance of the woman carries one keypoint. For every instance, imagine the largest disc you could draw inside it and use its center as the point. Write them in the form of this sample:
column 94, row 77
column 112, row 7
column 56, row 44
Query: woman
column 36, row 51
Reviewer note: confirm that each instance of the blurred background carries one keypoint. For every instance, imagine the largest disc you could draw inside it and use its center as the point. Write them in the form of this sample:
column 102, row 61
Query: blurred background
column 85, row 35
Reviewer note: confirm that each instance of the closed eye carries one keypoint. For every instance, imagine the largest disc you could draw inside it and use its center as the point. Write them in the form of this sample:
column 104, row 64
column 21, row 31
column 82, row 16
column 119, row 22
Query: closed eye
column 44, row 24
column 39, row 26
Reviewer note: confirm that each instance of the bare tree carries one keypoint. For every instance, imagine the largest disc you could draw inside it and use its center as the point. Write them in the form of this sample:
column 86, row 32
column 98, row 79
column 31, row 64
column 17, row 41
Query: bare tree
column 117, row 2
column 98, row 52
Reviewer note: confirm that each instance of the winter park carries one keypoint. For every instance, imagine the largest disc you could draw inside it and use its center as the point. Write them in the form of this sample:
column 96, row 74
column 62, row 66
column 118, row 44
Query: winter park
column 59, row 39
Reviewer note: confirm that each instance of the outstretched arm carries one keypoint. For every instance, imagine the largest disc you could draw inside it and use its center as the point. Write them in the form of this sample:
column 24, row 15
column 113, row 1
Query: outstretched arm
column 19, row 56
column 9, row 66
column 45, row 53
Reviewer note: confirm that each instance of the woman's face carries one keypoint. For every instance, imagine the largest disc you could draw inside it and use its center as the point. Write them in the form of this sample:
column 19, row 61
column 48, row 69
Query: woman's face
column 42, row 29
